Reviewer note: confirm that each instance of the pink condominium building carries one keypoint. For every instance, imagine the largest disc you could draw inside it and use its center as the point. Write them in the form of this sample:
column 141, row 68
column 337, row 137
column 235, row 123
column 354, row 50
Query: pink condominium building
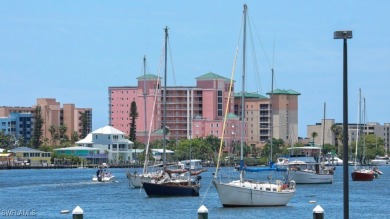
column 199, row 111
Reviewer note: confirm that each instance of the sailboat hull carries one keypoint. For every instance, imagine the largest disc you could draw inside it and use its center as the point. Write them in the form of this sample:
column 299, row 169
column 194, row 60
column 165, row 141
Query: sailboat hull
column 362, row 175
column 247, row 194
column 137, row 179
column 170, row 189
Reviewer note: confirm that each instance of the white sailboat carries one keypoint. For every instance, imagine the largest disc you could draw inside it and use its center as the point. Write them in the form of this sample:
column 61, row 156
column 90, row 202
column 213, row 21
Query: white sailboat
column 249, row 193
column 155, row 171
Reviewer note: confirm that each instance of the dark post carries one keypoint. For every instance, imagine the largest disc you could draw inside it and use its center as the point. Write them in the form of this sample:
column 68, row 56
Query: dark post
column 318, row 212
column 77, row 213
column 203, row 212
column 345, row 35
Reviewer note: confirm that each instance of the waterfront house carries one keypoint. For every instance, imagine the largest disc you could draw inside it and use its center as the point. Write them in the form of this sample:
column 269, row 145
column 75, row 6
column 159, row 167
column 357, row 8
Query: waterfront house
column 32, row 157
column 110, row 141
column 91, row 155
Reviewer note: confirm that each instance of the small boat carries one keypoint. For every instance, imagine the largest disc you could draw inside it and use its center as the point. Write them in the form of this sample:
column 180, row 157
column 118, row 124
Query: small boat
column 103, row 174
column 380, row 161
column 363, row 175
column 304, row 173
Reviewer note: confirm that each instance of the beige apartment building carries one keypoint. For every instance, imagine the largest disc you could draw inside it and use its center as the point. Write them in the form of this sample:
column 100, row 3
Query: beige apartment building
column 53, row 114
column 326, row 135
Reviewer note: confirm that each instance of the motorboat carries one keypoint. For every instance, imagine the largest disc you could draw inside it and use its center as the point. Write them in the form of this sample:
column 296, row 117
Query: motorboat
column 313, row 173
column 333, row 160
column 380, row 161
column 103, row 174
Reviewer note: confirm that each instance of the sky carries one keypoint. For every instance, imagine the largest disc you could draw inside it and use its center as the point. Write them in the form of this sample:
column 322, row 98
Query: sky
column 74, row 50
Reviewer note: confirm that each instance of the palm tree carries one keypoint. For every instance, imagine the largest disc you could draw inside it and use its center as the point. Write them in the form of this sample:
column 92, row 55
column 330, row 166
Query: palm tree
column 314, row 135
column 338, row 133
column 52, row 131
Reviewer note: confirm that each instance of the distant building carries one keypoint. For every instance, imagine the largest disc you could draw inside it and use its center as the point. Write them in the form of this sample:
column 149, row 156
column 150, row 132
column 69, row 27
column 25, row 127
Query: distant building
column 382, row 131
column 199, row 111
column 91, row 155
column 31, row 156
column 110, row 141
column 19, row 125
column 52, row 114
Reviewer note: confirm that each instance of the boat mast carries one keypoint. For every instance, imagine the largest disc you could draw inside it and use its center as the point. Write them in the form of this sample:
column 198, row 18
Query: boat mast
column 242, row 96
column 364, row 128
column 164, row 97
column 323, row 132
column 145, row 136
column 357, row 128
column 271, row 114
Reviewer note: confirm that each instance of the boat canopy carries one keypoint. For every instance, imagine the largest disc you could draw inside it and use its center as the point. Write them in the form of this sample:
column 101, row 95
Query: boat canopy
column 305, row 148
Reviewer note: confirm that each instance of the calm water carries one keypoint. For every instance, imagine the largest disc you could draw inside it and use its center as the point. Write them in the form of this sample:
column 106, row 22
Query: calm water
column 47, row 192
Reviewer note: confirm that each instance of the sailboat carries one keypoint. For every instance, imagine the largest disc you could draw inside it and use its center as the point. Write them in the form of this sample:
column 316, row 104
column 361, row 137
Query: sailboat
column 171, row 182
column 360, row 174
column 135, row 178
column 243, row 192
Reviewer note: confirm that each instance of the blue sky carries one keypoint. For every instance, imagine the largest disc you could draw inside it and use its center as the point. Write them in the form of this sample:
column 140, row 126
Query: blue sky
column 74, row 50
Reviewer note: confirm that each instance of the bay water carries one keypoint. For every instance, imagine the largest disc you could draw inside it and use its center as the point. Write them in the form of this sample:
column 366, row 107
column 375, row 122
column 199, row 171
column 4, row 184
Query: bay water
column 44, row 193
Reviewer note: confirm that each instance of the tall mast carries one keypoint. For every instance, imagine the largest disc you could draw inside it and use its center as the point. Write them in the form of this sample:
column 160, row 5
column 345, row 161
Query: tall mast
column 323, row 129
column 323, row 133
column 271, row 115
column 243, row 89
column 364, row 128
column 145, row 138
column 165, row 96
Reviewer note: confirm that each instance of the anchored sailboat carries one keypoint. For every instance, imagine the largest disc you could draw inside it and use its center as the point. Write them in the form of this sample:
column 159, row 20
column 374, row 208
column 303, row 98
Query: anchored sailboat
column 243, row 192
column 135, row 178
column 360, row 174
column 171, row 182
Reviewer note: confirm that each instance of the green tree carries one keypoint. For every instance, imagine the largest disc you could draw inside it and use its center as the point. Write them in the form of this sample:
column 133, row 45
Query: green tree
column 278, row 148
column 314, row 135
column 133, row 118
column 214, row 143
column 338, row 133
column 52, row 131
column 38, row 128
column 5, row 140
column 84, row 125
column 74, row 137
column 64, row 139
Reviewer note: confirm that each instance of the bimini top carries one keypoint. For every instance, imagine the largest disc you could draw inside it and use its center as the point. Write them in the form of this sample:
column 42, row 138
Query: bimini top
column 305, row 148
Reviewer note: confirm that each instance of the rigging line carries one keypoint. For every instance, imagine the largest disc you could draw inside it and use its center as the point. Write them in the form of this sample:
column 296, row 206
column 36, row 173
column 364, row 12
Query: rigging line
column 226, row 112
column 228, row 101
column 262, row 46
column 156, row 90
column 254, row 61
column 205, row 195
column 170, row 56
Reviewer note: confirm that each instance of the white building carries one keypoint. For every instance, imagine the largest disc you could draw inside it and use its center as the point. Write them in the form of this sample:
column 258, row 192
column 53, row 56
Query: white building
column 111, row 141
